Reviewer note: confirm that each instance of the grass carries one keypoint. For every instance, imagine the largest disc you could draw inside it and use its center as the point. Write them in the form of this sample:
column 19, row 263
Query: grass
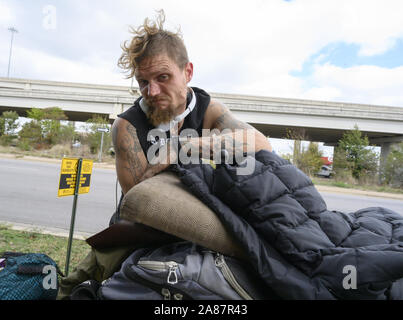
column 53, row 246
column 56, row 152
column 340, row 184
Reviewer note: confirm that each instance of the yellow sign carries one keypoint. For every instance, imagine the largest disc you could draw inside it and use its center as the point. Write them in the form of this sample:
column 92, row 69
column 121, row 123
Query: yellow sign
column 68, row 174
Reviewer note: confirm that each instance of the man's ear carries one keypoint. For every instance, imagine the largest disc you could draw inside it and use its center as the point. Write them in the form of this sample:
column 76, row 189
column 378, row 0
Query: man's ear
column 188, row 71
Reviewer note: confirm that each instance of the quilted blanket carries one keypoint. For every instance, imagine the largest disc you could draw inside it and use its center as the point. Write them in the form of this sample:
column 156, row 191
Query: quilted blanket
column 299, row 248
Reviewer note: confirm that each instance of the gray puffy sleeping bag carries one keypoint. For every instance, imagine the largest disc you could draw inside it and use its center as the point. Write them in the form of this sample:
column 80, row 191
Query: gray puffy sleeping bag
column 299, row 248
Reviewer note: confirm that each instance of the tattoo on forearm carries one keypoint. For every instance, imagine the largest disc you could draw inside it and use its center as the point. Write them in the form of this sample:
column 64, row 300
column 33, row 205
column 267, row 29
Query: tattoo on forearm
column 131, row 150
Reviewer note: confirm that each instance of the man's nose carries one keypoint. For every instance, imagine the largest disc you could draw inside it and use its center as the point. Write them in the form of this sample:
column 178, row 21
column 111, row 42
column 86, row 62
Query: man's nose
column 153, row 89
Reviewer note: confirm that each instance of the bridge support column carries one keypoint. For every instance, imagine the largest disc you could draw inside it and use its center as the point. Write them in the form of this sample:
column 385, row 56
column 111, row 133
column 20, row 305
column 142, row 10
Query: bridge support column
column 385, row 150
column 117, row 108
column 386, row 145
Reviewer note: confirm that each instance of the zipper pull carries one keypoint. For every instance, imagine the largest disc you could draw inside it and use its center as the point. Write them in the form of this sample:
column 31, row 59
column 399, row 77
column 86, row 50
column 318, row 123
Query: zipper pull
column 166, row 294
column 172, row 276
column 219, row 260
column 178, row 296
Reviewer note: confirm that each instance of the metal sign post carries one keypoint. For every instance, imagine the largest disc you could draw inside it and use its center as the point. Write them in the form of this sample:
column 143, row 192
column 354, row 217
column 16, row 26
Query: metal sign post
column 75, row 177
column 73, row 215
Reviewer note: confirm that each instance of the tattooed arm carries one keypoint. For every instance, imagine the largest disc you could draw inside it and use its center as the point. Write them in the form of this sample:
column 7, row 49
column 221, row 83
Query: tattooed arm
column 132, row 166
column 222, row 119
column 229, row 133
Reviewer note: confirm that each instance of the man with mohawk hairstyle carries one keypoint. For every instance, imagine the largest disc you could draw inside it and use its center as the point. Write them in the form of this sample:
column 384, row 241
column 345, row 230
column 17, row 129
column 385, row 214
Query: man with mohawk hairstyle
column 158, row 60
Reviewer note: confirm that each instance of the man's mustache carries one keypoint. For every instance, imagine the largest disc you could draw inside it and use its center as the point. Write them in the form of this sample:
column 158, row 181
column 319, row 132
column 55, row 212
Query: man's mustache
column 152, row 101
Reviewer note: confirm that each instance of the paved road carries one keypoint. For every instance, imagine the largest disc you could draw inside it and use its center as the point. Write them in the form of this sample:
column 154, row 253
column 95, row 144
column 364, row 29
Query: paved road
column 28, row 194
column 351, row 203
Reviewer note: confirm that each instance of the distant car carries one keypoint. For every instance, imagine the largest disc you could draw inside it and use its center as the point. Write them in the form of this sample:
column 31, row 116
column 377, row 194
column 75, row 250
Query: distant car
column 325, row 171
column 76, row 144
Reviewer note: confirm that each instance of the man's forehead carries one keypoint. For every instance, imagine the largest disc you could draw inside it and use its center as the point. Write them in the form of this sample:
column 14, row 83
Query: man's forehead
column 154, row 64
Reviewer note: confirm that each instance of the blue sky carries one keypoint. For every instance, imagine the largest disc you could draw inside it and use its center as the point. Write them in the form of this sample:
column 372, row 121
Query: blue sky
column 346, row 55
column 350, row 51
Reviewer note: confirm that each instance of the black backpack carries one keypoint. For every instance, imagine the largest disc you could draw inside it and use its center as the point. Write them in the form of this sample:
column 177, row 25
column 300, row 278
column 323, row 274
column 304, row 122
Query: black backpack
column 178, row 271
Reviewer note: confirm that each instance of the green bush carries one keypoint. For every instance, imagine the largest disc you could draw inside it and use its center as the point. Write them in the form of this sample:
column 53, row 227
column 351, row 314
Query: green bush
column 309, row 161
column 45, row 129
column 354, row 154
column 24, row 144
column 392, row 172
column 31, row 132
column 5, row 140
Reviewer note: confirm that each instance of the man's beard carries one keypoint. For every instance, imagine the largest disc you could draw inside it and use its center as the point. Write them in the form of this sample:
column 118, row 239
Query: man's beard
column 157, row 116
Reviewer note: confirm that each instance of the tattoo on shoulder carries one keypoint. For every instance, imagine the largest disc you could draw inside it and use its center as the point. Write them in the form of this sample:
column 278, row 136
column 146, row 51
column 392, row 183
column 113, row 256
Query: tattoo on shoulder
column 227, row 121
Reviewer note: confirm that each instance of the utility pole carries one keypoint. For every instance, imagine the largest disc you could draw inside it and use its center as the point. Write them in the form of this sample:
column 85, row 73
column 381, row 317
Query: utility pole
column 12, row 30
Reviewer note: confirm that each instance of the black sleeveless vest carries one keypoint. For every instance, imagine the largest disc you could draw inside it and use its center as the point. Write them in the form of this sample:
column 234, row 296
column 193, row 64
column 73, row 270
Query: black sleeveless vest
column 194, row 120
column 139, row 120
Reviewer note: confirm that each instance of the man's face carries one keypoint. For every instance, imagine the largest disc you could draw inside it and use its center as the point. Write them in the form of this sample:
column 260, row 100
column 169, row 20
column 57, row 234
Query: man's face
column 163, row 85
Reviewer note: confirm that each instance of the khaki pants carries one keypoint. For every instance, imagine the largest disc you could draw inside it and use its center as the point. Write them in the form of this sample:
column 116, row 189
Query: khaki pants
column 99, row 265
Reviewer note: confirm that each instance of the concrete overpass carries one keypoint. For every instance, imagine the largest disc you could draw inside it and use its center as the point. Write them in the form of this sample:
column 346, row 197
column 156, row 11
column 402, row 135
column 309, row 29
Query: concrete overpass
column 322, row 121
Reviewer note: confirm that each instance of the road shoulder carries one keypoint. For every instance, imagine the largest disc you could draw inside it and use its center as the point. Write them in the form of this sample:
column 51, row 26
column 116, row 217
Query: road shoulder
column 51, row 160
column 366, row 193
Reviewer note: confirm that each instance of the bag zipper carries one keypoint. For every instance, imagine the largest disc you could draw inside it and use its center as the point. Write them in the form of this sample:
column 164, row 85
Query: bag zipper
column 229, row 276
column 165, row 291
column 170, row 266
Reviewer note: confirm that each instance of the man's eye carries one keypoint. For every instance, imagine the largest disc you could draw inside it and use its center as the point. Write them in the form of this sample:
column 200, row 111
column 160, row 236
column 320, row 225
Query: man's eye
column 142, row 83
column 163, row 77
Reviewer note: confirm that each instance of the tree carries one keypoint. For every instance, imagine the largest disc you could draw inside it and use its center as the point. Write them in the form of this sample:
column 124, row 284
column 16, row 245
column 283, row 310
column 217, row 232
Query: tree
column 310, row 159
column 94, row 136
column 51, row 124
column 30, row 134
column 354, row 154
column 392, row 172
column 67, row 133
column 45, row 127
column 8, row 126
column 298, row 135
column 36, row 114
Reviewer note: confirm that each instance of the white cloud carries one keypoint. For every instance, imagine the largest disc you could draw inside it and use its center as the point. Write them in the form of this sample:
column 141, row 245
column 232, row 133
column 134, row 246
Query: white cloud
column 6, row 15
column 59, row 69
column 236, row 46
column 361, row 84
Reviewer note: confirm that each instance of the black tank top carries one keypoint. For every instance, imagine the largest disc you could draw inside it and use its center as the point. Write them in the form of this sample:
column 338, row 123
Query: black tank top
column 138, row 119
column 194, row 120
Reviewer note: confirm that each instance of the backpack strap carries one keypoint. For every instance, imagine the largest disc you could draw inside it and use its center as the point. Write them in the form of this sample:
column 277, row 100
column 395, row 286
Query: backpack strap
column 31, row 269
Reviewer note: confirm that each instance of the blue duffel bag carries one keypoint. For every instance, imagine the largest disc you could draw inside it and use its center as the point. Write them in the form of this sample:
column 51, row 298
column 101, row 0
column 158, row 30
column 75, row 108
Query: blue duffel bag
column 28, row 276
